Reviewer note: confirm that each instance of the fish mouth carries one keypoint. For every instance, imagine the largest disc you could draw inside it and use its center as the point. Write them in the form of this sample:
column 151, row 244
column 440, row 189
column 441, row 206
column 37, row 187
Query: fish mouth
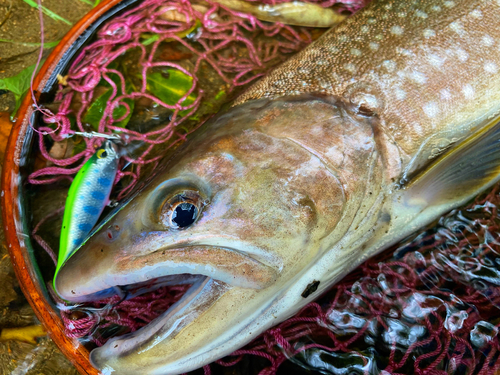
column 201, row 296
column 163, row 267
column 215, row 273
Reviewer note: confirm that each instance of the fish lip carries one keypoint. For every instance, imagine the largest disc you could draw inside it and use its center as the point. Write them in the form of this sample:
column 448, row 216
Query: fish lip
column 223, row 264
column 220, row 263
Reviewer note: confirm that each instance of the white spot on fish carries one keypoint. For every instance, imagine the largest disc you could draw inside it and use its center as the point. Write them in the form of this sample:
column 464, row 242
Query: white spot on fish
column 417, row 128
column 435, row 60
column 458, row 28
column 477, row 14
column 421, row 14
column 350, row 67
column 468, row 91
column 379, row 37
column 389, row 65
column 403, row 51
column 374, row 46
column 334, row 50
column 487, row 41
column 402, row 14
column 356, row 52
column 324, row 84
column 400, row 93
column 397, row 30
column 365, row 29
column 491, row 67
column 343, row 38
column 449, row 4
column 462, row 55
column 428, row 33
column 372, row 20
column 445, row 94
column 436, row 8
column 418, row 77
column 431, row 109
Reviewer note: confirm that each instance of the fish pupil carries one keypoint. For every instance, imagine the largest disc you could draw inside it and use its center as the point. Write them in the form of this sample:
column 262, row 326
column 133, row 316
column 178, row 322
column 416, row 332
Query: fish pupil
column 184, row 214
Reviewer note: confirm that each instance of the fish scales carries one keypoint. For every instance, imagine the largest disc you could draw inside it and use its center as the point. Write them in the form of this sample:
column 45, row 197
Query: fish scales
column 391, row 58
column 375, row 130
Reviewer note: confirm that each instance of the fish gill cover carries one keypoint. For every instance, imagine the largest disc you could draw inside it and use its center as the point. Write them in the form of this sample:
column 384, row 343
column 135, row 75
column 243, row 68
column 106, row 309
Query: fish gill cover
column 430, row 305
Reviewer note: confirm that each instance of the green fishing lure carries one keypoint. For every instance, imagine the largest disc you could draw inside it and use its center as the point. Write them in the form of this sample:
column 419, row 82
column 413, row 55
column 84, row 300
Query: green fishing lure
column 87, row 197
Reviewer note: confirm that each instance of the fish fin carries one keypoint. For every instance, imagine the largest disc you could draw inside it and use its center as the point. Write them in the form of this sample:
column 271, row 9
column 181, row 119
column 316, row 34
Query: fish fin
column 453, row 179
column 461, row 173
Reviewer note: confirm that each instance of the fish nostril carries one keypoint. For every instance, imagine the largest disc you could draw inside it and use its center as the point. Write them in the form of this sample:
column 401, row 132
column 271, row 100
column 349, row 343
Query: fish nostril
column 117, row 228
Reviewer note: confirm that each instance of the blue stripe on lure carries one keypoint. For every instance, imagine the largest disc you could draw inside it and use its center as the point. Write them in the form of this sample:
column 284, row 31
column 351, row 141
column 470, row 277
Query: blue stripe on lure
column 87, row 197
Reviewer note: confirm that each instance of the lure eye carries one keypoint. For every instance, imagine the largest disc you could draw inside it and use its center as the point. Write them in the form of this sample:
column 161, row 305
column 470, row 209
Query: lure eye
column 101, row 154
column 182, row 210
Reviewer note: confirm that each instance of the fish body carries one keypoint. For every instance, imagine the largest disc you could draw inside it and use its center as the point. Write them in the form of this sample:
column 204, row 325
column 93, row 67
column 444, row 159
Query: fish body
column 87, row 196
column 376, row 129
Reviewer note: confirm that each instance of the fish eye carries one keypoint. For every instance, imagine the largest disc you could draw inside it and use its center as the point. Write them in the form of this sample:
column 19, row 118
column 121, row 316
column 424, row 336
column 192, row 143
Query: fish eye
column 184, row 214
column 182, row 210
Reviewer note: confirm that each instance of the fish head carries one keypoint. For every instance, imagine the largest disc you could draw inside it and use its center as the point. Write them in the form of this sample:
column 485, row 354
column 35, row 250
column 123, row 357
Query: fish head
column 238, row 213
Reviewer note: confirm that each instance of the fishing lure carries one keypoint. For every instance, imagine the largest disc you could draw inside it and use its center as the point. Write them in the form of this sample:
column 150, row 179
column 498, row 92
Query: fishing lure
column 87, row 197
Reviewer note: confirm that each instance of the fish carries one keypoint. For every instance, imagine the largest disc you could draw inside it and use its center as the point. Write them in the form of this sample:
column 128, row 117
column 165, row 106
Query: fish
column 293, row 13
column 88, row 195
column 379, row 127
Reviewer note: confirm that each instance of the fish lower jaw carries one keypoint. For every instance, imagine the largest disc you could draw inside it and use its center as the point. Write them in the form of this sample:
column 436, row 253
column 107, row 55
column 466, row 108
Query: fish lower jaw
column 117, row 355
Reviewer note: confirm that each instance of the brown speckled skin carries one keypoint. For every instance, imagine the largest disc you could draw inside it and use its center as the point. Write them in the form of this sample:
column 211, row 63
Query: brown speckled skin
column 299, row 179
column 428, row 69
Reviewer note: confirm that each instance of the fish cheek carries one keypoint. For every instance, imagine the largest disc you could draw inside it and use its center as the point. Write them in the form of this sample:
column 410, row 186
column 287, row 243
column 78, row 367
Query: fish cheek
column 321, row 201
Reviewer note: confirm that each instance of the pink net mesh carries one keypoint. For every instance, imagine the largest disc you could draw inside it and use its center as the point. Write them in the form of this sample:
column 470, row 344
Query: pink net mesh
column 430, row 305
column 224, row 40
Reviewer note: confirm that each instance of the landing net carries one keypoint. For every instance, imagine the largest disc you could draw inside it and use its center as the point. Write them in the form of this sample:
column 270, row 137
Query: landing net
column 429, row 306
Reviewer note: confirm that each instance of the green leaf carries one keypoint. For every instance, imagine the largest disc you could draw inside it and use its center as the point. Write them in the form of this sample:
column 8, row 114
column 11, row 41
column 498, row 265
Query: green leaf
column 45, row 44
column 18, row 84
column 171, row 88
column 48, row 12
column 210, row 106
column 96, row 110
column 149, row 38
column 19, row 100
column 79, row 146
column 90, row 2
column 221, row 94
column 121, row 110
